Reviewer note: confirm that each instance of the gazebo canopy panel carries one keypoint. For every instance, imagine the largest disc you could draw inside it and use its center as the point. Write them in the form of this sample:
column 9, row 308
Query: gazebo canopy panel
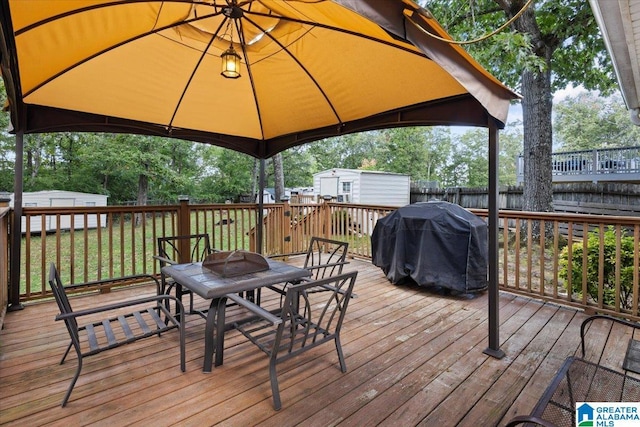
column 310, row 69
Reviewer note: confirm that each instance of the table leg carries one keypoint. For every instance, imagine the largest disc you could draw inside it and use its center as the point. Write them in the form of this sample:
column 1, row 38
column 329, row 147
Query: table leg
column 179, row 314
column 214, row 333
column 220, row 327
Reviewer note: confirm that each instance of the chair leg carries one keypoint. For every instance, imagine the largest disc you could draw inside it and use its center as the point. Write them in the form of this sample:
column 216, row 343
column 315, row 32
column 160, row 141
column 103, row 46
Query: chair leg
column 180, row 292
column 182, row 347
column 167, row 290
column 343, row 365
column 73, row 382
column 66, row 353
column 275, row 390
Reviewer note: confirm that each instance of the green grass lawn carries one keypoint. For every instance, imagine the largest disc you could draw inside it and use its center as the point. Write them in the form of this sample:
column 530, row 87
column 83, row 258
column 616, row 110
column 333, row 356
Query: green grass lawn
column 122, row 249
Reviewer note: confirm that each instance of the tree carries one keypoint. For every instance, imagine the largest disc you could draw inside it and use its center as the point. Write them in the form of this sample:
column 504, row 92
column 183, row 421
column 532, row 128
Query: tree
column 588, row 121
column 228, row 175
column 421, row 152
column 299, row 166
column 552, row 44
column 468, row 165
column 470, row 160
column 7, row 147
column 418, row 151
column 347, row 151
column 278, row 176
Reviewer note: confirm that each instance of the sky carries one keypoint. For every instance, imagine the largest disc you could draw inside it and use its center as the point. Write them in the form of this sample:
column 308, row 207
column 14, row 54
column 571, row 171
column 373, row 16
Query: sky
column 515, row 111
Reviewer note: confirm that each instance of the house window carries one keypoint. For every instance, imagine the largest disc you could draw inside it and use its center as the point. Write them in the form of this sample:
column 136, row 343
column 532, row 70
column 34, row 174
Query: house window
column 346, row 187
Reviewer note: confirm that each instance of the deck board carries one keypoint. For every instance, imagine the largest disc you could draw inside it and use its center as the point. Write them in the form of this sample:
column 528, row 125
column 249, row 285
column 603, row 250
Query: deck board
column 414, row 357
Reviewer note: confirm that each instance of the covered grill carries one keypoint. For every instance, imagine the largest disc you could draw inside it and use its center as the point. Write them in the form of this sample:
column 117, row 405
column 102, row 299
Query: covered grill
column 434, row 244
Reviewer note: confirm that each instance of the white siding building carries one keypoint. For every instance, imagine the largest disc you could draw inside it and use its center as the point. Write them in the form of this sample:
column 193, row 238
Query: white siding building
column 363, row 187
column 59, row 198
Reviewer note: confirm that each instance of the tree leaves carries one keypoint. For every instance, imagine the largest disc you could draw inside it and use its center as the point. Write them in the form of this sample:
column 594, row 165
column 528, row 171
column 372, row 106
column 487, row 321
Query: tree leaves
column 588, row 121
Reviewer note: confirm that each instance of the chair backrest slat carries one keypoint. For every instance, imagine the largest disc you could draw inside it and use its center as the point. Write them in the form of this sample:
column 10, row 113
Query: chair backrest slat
column 61, row 298
column 199, row 246
column 325, row 257
column 311, row 317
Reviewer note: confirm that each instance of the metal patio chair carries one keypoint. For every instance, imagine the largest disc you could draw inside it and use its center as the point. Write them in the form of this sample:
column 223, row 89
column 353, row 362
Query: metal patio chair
column 306, row 320
column 169, row 253
column 324, row 258
column 119, row 328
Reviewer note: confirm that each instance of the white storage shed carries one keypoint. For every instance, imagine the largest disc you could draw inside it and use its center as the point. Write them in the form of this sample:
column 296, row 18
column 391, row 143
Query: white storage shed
column 60, row 198
column 363, row 187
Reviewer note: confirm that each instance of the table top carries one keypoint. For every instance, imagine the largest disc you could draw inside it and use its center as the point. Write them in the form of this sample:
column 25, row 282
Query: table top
column 581, row 381
column 209, row 284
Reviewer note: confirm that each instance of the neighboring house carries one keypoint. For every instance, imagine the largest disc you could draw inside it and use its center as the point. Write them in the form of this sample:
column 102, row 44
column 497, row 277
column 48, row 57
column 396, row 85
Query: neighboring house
column 363, row 187
column 59, row 198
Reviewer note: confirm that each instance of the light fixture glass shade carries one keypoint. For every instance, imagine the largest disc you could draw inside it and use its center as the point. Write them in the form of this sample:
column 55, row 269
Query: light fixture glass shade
column 230, row 63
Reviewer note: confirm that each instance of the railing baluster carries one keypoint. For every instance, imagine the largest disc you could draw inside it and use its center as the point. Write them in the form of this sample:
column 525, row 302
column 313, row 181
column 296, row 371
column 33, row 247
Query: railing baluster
column 118, row 247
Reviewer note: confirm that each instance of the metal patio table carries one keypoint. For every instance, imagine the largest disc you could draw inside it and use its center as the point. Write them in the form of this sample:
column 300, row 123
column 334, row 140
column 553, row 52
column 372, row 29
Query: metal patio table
column 215, row 287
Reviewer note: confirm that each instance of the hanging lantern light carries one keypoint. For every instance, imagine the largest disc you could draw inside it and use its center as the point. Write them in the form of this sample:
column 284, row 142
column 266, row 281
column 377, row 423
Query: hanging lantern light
column 230, row 63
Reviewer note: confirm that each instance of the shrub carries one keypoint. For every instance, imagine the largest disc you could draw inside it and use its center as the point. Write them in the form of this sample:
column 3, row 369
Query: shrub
column 609, row 268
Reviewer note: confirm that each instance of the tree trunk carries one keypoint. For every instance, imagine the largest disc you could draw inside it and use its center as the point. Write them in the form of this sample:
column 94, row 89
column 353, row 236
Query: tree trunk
column 143, row 189
column 143, row 195
column 536, row 111
column 36, row 161
column 278, row 177
column 255, row 179
column 29, row 167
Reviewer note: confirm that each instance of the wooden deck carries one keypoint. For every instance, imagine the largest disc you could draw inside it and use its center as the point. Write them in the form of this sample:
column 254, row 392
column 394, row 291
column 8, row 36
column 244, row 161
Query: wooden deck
column 414, row 358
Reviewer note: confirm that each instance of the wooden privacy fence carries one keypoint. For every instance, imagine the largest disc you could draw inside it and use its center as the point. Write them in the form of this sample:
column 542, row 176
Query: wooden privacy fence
column 588, row 261
column 610, row 198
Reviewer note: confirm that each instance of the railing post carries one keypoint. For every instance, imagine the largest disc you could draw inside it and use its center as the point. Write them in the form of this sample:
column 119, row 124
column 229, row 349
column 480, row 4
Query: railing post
column 184, row 229
column 16, row 228
column 4, row 255
column 326, row 230
column 286, row 225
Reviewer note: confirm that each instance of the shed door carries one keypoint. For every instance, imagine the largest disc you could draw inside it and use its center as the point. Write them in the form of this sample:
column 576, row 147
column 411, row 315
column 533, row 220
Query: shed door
column 329, row 186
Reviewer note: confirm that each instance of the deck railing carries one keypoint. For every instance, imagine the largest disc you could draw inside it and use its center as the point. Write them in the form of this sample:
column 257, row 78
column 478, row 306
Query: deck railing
column 587, row 261
column 5, row 214
column 605, row 164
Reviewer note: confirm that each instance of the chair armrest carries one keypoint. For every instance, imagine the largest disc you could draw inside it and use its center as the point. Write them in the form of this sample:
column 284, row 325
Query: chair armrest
column 333, row 264
column 327, row 287
column 165, row 260
column 256, row 309
column 585, row 322
column 115, row 280
column 122, row 304
column 521, row 419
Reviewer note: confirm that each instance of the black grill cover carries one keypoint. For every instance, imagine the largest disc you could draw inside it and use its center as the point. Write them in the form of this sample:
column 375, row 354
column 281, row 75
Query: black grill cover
column 434, row 244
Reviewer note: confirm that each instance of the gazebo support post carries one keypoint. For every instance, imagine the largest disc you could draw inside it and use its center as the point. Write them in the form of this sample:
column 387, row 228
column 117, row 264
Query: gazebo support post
column 16, row 227
column 494, row 292
column 259, row 236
